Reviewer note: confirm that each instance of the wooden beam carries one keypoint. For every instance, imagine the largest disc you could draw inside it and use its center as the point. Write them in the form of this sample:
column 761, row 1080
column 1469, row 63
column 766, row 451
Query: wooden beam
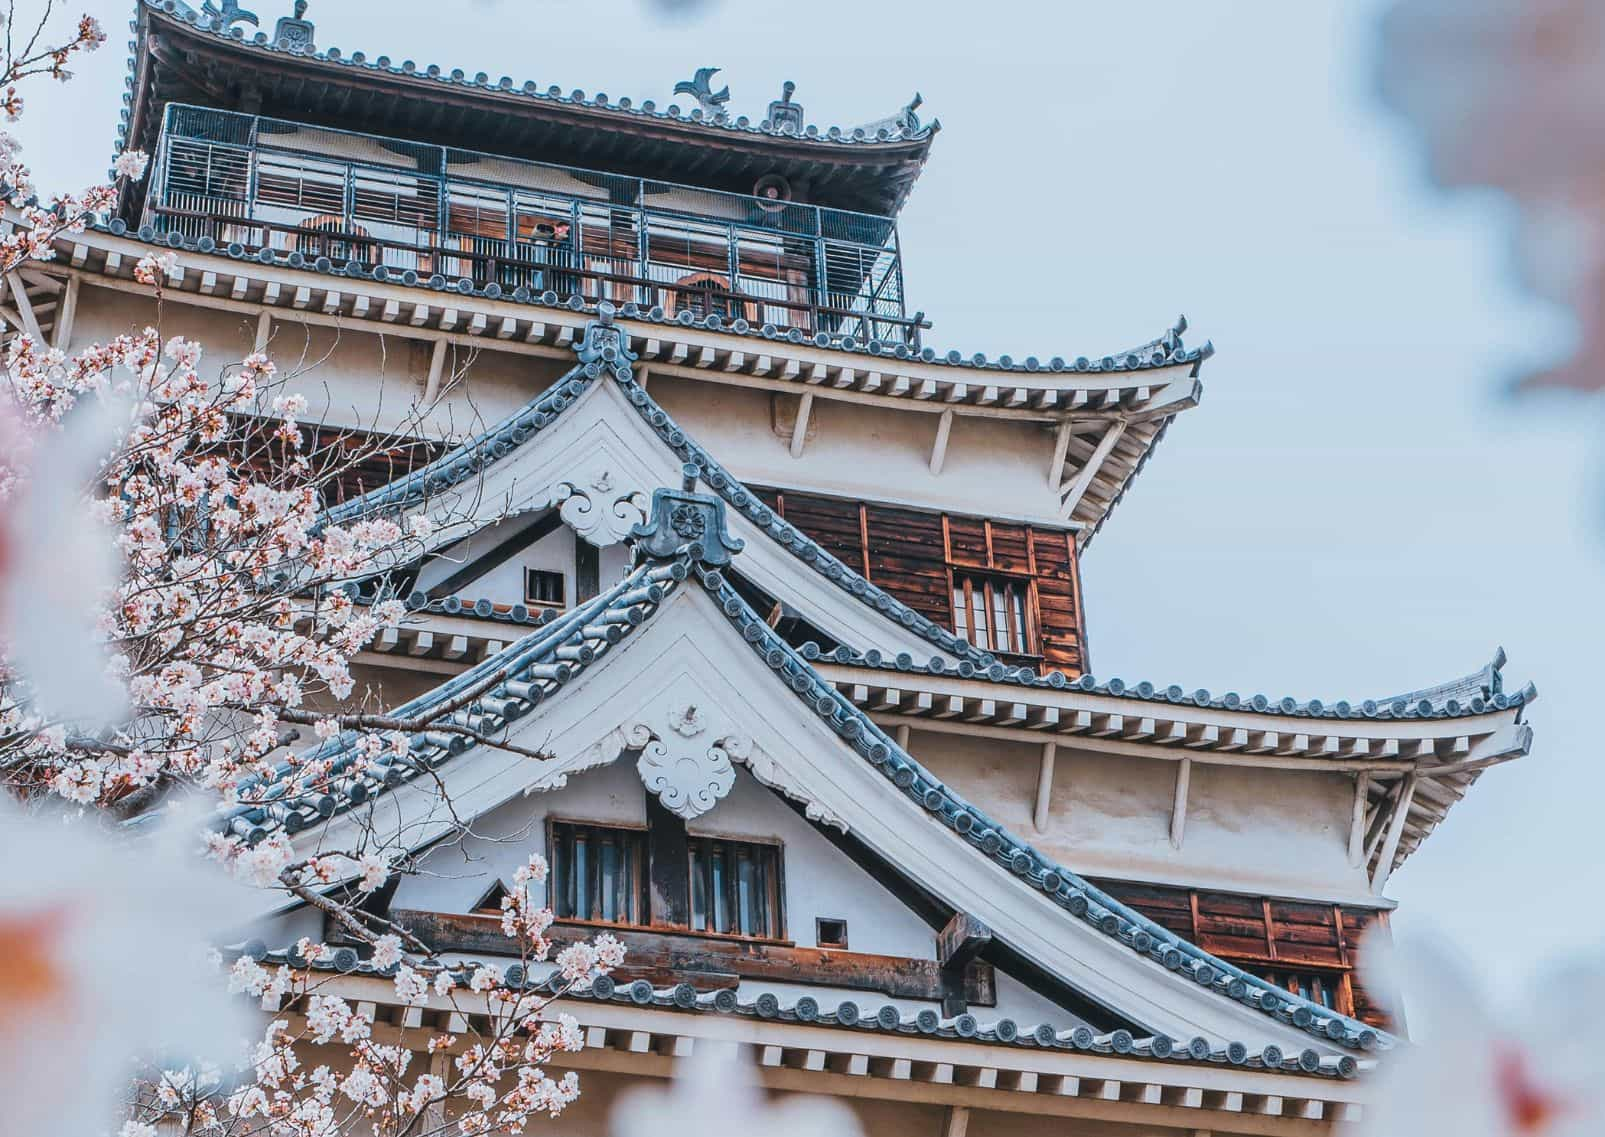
column 1178, row 809
column 1076, row 489
column 708, row 962
column 264, row 331
column 944, row 431
column 1039, row 816
column 799, row 429
column 957, row 1121
column 1390, row 846
column 1362, row 798
column 61, row 334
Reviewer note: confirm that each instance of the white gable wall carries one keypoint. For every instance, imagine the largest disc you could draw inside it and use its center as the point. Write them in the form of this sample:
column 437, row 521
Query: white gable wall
column 820, row 879
column 1265, row 832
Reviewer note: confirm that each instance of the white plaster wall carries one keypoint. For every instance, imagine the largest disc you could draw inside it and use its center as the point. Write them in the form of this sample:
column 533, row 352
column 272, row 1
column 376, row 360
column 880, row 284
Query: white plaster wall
column 351, row 376
column 1259, row 831
column 820, row 880
column 863, row 451
column 504, row 584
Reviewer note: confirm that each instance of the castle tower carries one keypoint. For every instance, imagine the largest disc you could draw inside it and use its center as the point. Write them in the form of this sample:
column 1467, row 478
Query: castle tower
column 789, row 594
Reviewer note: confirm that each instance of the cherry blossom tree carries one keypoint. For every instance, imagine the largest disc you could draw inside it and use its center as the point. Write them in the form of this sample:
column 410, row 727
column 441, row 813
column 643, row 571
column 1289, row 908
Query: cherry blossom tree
column 174, row 607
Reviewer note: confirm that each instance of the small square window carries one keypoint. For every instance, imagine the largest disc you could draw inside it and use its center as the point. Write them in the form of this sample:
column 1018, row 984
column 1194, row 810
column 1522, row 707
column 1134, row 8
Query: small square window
column 830, row 932
column 543, row 588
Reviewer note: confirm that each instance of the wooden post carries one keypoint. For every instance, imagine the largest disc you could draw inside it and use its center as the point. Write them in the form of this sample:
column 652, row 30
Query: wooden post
column 799, row 429
column 1061, row 447
column 1178, row 809
column 944, row 431
column 1039, row 816
column 61, row 334
column 264, row 331
column 437, row 368
column 901, row 732
column 1362, row 797
column 959, row 942
column 957, row 1121
column 668, row 864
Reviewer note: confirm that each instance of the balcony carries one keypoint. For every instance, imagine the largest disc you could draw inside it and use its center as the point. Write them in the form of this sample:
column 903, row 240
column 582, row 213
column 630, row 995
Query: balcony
column 440, row 215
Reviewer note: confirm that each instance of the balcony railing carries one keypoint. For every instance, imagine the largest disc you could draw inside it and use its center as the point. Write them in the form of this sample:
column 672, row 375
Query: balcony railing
column 459, row 215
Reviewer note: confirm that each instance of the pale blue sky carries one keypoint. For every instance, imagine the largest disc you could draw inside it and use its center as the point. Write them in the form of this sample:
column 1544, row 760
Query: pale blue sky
column 1355, row 509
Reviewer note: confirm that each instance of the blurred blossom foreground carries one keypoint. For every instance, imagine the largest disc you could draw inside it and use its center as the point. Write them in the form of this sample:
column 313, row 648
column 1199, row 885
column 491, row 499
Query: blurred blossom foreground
column 102, row 964
column 1511, row 94
column 1532, row 1067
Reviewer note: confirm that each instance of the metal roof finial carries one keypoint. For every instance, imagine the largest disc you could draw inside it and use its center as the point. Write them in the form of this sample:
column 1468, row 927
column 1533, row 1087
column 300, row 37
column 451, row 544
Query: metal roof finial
column 700, row 89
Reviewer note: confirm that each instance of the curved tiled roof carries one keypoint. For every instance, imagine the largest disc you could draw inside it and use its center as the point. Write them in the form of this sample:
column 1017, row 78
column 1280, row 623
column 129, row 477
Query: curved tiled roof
column 848, row 1013
column 904, row 126
column 540, row 664
column 501, row 440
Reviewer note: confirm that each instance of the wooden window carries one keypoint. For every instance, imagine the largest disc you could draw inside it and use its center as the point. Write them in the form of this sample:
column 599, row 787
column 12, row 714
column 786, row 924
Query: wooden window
column 598, row 873
column 1317, row 986
column 543, row 588
column 735, row 888
column 991, row 611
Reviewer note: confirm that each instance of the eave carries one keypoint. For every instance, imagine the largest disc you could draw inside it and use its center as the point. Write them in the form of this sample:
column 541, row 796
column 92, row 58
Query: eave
column 1423, row 756
column 1108, row 413
column 995, row 1066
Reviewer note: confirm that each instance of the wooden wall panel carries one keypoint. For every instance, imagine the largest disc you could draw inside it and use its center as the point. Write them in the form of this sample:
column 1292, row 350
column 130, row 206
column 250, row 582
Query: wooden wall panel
column 1294, row 944
column 913, row 554
column 1059, row 599
column 833, row 522
column 906, row 558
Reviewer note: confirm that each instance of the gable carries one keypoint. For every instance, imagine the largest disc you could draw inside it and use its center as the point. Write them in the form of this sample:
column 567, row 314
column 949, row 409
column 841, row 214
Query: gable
column 702, row 650
column 614, row 447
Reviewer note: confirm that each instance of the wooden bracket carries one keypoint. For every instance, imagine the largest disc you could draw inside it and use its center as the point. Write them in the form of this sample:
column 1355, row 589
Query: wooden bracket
column 957, row 944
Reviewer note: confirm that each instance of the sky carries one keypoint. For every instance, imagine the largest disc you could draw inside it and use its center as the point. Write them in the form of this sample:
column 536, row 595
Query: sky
column 1357, row 508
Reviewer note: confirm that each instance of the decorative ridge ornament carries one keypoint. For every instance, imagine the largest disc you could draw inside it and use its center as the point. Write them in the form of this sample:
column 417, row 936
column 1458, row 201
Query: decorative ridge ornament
column 605, row 342
column 784, row 112
column 229, row 14
column 680, row 518
column 699, row 88
column 295, row 33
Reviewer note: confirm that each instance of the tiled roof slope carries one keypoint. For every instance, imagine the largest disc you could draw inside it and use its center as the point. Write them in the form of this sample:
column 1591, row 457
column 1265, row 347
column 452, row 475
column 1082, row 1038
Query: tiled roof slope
column 857, row 1016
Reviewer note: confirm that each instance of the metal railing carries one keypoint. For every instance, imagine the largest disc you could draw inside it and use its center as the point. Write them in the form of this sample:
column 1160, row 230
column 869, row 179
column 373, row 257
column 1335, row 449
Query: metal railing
column 270, row 184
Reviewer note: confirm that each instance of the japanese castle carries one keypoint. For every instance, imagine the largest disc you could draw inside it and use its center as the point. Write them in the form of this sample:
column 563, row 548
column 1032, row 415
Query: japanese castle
column 789, row 594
